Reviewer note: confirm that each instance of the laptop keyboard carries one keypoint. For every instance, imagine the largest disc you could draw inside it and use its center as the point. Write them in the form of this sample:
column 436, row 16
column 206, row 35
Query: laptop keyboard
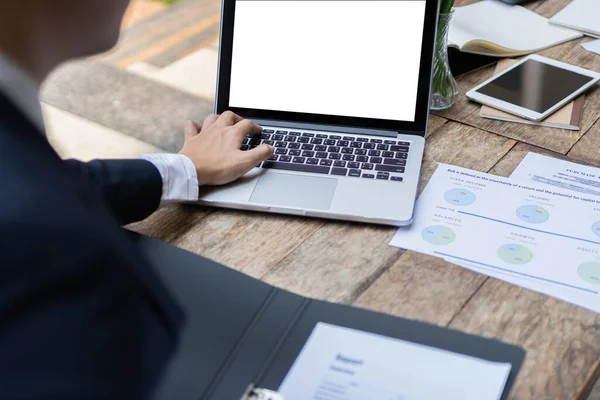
column 333, row 154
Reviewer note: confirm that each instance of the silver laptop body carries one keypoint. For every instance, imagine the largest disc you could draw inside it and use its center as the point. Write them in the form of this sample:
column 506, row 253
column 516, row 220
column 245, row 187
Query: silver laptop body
column 359, row 169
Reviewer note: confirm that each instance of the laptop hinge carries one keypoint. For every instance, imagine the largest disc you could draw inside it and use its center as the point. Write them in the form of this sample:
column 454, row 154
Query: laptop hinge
column 327, row 128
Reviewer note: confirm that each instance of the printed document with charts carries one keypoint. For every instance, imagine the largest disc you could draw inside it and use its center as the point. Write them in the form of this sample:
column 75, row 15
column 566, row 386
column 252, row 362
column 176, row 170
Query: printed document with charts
column 537, row 236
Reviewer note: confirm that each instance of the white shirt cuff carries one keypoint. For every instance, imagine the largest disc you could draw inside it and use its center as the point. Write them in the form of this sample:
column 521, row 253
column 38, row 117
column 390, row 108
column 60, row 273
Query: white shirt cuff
column 180, row 180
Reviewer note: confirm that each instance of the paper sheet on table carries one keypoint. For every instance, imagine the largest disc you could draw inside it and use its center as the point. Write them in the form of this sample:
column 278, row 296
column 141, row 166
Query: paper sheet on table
column 345, row 364
column 560, row 174
column 543, row 238
column 593, row 46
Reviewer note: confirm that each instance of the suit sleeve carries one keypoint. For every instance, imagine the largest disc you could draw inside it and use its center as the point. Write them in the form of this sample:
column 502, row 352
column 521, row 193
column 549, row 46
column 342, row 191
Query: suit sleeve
column 132, row 189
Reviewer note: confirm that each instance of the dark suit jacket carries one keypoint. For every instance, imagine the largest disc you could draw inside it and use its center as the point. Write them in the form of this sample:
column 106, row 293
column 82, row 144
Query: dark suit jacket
column 82, row 315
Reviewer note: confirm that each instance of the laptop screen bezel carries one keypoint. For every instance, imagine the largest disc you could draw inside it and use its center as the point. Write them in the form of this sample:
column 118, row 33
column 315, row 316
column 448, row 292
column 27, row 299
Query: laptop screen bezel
column 418, row 126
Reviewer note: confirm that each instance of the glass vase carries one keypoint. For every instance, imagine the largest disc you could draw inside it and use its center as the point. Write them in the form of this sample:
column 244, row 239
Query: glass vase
column 444, row 88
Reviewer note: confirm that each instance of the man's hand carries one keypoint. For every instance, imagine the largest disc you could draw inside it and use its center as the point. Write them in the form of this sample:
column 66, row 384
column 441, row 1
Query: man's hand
column 214, row 148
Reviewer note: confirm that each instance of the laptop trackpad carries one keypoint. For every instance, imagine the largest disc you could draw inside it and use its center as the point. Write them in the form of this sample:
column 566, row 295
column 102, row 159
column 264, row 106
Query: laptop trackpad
column 286, row 190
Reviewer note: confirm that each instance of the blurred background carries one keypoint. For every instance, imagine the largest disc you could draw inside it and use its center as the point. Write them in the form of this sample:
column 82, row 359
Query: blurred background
column 134, row 99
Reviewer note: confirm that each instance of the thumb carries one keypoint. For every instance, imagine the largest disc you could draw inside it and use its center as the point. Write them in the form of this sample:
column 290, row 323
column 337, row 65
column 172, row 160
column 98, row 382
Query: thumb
column 191, row 129
column 258, row 154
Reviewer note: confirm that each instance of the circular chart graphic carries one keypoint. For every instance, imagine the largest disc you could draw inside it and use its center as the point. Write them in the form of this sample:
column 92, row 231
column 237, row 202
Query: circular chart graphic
column 533, row 214
column 590, row 272
column 437, row 234
column 515, row 254
column 459, row 197
column 596, row 228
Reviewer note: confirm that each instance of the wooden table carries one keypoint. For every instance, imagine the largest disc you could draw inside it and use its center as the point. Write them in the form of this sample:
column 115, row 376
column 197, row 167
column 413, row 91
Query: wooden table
column 353, row 264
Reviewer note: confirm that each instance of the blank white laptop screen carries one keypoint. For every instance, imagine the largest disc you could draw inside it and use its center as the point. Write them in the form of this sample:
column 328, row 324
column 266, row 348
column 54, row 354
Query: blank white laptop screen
column 346, row 58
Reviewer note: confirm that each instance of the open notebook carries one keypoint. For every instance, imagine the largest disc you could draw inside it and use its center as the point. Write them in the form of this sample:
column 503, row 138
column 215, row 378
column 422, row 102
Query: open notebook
column 496, row 29
column 567, row 117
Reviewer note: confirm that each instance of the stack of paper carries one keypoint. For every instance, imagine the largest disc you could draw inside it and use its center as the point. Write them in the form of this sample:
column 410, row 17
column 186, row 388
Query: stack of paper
column 539, row 229
column 580, row 15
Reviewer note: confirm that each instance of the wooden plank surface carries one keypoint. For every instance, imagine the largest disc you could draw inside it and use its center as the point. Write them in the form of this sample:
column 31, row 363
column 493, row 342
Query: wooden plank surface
column 353, row 264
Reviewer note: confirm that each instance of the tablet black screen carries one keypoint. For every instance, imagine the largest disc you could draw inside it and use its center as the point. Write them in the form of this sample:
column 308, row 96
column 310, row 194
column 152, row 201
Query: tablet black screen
column 535, row 85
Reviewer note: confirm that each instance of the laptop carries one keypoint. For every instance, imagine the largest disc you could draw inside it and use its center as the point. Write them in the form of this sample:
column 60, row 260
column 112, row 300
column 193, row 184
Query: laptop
column 341, row 89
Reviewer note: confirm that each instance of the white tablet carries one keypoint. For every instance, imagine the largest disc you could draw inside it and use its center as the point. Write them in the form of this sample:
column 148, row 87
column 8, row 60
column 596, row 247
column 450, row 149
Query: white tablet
column 534, row 88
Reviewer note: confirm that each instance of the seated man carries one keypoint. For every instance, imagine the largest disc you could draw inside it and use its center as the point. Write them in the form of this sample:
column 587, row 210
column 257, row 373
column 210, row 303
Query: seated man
column 82, row 316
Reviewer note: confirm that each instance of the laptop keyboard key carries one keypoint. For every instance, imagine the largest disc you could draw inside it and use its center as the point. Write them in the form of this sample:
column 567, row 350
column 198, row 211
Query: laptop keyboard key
column 348, row 157
column 267, row 131
column 322, row 136
column 402, row 149
column 404, row 143
column 376, row 141
column 368, row 176
column 294, row 153
column 309, row 135
column 356, row 145
column 285, row 158
column 374, row 153
column 294, row 133
column 321, row 154
column 388, row 154
column 383, row 177
column 339, row 164
column 290, row 138
column 268, row 142
column 303, row 140
column 277, row 137
column 389, row 141
column 362, row 139
column 389, row 168
column 383, row 147
column 347, row 150
column 325, row 162
column 320, row 147
column 342, row 143
column 397, row 178
column 360, row 152
column 294, row 145
column 307, row 146
column 308, row 153
column 348, row 138
column 394, row 161
column 299, row 160
column 354, row 172
column 369, row 146
column 367, row 166
column 312, row 161
column 265, row 136
column 281, row 151
column 362, row 158
column 339, row 171
column 333, row 149
column 296, row 167
column 329, row 142
column 354, row 165
column 402, row 156
column 280, row 144
column 376, row 160
column 335, row 137
column 316, row 141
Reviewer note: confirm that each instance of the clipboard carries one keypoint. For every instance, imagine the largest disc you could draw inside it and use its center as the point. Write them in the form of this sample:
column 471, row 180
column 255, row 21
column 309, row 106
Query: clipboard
column 242, row 335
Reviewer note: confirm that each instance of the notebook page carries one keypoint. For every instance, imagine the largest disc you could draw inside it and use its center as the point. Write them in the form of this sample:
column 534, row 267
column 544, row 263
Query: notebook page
column 512, row 27
column 583, row 15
